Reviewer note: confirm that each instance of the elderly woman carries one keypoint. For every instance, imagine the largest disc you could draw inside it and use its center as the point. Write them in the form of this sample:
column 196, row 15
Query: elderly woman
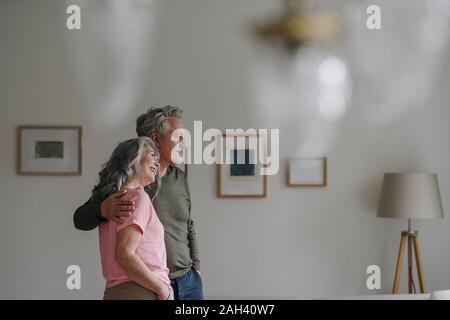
column 133, row 254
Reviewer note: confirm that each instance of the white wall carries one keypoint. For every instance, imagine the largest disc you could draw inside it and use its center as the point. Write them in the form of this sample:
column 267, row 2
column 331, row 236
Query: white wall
column 298, row 243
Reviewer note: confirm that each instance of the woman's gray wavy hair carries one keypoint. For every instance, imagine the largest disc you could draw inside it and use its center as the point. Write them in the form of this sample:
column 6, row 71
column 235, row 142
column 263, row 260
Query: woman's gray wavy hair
column 154, row 120
column 122, row 166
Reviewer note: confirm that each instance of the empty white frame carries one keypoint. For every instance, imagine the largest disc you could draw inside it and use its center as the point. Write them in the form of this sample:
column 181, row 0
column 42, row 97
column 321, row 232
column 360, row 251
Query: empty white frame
column 307, row 172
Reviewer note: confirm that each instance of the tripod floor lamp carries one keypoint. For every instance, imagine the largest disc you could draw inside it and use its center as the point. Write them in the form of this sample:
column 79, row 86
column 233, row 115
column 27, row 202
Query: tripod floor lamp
column 410, row 196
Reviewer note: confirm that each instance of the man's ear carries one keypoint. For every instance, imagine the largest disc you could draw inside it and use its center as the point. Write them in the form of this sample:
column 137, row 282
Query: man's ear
column 155, row 137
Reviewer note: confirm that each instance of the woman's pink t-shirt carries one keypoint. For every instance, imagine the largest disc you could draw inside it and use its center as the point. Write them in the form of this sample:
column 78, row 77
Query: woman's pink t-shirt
column 151, row 248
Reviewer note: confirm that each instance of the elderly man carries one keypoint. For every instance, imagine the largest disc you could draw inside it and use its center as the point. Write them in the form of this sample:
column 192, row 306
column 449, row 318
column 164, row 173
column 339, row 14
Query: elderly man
column 172, row 204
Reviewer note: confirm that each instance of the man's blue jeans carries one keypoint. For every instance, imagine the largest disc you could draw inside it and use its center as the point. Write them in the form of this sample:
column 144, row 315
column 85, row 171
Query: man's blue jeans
column 188, row 287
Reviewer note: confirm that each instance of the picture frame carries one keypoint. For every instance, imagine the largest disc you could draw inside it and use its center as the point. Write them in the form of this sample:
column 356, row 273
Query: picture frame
column 237, row 179
column 49, row 150
column 307, row 172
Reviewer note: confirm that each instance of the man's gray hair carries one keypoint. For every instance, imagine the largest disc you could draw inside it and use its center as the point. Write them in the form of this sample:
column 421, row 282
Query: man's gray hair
column 154, row 120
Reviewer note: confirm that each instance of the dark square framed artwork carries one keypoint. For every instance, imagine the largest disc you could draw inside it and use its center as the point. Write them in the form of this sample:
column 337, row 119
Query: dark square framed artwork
column 241, row 176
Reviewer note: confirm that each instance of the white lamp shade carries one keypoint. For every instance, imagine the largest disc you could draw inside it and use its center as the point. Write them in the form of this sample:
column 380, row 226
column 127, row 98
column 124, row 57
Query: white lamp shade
column 410, row 196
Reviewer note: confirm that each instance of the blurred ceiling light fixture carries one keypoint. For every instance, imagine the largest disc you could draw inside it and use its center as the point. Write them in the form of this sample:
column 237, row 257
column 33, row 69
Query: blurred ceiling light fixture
column 299, row 25
column 322, row 79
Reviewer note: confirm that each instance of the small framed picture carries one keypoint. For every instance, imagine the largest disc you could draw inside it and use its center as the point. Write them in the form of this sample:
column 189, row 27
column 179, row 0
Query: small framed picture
column 49, row 150
column 240, row 174
column 307, row 172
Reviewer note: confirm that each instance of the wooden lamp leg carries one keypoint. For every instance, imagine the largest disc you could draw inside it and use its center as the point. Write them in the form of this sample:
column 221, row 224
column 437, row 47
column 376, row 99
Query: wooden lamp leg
column 410, row 265
column 398, row 270
column 419, row 262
